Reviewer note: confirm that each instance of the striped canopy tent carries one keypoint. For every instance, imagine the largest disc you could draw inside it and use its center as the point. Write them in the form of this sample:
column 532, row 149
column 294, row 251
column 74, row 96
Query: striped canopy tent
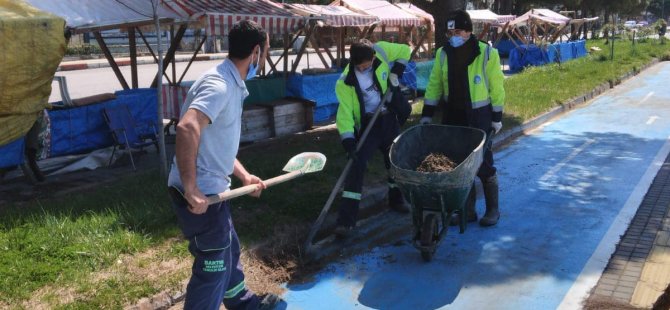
column 538, row 25
column 502, row 19
column 544, row 16
column 482, row 16
column 86, row 16
column 333, row 16
column 330, row 25
column 219, row 16
column 426, row 35
column 388, row 13
column 131, row 16
column 484, row 20
column 416, row 11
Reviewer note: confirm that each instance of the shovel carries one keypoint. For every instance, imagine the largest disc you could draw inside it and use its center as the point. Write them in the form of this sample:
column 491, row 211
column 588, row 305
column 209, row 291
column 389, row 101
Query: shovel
column 298, row 165
column 322, row 216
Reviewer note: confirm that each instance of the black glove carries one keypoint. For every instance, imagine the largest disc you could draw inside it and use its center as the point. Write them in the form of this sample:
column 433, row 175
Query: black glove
column 349, row 145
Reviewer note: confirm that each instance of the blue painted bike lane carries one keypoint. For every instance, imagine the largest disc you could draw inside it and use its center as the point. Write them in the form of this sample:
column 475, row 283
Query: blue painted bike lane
column 567, row 192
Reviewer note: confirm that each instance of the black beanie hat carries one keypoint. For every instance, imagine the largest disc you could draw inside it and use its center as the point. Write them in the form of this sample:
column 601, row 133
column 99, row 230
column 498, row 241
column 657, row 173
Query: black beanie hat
column 459, row 19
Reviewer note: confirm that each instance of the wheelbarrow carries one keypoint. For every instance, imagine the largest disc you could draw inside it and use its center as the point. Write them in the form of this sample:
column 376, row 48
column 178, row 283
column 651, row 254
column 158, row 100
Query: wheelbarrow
column 435, row 196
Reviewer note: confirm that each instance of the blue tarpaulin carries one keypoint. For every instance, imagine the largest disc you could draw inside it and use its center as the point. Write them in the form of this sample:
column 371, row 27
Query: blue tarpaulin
column 504, row 47
column 11, row 154
column 416, row 74
column 532, row 55
column 409, row 75
column 526, row 55
column 83, row 129
column 319, row 88
column 579, row 48
column 423, row 69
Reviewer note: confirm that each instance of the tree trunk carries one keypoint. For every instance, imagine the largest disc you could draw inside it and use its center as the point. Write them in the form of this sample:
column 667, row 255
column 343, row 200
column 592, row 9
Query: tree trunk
column 440, row 9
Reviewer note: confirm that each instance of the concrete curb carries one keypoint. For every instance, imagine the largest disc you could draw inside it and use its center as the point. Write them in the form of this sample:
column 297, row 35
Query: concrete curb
column 377, row 194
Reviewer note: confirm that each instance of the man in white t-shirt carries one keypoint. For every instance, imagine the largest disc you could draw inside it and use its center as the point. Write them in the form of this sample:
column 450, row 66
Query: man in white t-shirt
column 208, row 136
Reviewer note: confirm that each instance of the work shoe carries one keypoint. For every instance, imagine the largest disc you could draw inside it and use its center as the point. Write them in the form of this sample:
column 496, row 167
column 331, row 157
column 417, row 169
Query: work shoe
column 269, row 301
column 343, row 232
column 397, row 202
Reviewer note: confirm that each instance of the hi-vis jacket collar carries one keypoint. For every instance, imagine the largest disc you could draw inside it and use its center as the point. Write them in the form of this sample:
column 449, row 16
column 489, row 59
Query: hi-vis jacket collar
column 351, row 75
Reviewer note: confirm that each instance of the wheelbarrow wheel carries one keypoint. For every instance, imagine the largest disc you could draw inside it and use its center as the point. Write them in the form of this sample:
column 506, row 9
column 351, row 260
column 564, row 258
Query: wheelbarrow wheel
column 429, row 236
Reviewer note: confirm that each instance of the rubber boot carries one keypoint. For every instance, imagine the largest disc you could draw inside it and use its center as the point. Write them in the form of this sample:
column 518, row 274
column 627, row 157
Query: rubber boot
column 397, row 201
column 492, row 214
column 469, row 208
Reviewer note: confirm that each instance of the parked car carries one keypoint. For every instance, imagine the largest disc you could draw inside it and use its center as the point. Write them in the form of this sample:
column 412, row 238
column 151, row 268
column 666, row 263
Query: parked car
column 642, row 24
column 630, row 24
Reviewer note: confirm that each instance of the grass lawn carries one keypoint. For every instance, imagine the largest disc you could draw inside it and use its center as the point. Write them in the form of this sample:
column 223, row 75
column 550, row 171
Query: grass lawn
column 111, row 246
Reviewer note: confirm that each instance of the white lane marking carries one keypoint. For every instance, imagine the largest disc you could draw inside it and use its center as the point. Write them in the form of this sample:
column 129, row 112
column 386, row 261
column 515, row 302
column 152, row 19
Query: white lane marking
column 651, row 93
column 596, row 264
column 563, row 162
column 652, row 119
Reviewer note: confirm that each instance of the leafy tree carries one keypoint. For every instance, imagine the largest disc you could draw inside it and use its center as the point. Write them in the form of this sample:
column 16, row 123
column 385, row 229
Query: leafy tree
column 657, row 8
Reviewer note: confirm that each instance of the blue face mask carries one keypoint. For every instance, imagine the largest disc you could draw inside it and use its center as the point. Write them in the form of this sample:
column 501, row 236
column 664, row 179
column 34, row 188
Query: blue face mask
column 253, row 68
column 456, row 41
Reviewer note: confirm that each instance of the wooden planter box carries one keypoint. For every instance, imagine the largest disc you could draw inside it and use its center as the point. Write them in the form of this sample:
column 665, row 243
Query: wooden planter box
column 276, row 118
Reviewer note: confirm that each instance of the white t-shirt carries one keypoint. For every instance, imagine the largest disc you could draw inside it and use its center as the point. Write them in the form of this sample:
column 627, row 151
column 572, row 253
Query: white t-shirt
column 219, row 93
column 371, row 94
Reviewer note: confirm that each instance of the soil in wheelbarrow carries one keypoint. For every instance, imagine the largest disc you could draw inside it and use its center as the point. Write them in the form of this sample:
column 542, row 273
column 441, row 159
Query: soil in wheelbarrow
column 436, row 162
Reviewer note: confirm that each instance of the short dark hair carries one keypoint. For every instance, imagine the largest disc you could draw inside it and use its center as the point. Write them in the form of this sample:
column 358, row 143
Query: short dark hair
column 243, row 37
column 361, row 51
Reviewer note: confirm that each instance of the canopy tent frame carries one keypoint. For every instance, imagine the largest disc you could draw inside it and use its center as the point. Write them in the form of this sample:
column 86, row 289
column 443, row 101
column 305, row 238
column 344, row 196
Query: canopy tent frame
column 406, row 28
column 217, row 18
column 338, row 19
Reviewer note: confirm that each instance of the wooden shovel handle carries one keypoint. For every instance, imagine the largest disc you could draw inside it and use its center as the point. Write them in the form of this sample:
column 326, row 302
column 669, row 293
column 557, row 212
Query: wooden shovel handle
column 245, row 190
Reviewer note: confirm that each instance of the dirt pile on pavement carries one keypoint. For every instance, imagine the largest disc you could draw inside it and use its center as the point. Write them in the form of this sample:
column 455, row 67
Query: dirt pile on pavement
column 275, row 261
column 436, row 162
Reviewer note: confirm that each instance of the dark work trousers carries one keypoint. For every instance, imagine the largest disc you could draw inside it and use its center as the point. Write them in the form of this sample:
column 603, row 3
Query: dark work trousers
column 384, row 130
column 479, row 118
column 217, row 272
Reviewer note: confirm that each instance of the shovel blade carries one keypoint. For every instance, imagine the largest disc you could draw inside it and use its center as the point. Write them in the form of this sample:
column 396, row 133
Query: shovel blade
column 306, row 162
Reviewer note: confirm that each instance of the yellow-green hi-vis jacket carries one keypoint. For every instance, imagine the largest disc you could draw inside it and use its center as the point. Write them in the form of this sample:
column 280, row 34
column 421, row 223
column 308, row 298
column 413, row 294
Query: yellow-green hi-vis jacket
column 485, row 79
column 389, row 58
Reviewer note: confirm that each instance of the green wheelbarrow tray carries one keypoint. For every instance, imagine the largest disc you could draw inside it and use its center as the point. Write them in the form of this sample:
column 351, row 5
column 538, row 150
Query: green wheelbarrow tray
column 440, row 193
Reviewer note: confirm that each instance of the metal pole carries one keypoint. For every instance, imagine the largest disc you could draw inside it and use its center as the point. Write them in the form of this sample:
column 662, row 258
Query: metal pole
column 159, row 94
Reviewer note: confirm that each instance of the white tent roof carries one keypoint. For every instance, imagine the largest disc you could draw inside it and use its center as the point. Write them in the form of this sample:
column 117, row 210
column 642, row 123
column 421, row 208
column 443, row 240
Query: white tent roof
column 221, row 15
column 88, row 15
column 415, row 10
column 334, row 16
column 485, row 16
column 388, row 13
column 541, row 15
